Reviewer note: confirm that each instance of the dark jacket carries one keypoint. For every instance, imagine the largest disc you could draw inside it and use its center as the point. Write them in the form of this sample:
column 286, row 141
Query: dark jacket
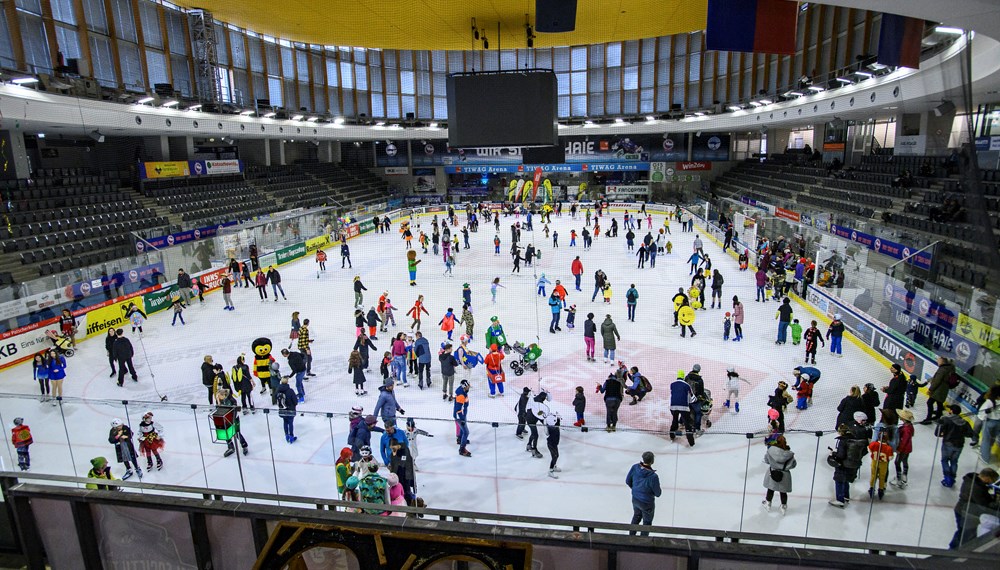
column 109, row 344
column 785, row 313
column 848, row 406
column 363, row 347
column 953, row 430
column 122, row 349
column 938, row 388
column 184, row 280
column 609, row 333
column 373, row 319
column 401, row 463
column 974, row 497
column 589, row 328
column 422, row 348
column 895, row 392
column 579, row 403
column 645, row 484
column 296, row 362
column 207, row 374
column 870, row 403
column 273, row 276
column 291, row 400
column 522, row 406
column 697, row 384
column 358, row 287
column 448, row 363
column 612, row 388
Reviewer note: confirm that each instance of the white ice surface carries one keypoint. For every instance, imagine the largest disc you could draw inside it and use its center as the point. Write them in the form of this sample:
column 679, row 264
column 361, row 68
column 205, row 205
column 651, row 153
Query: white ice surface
column 715, row 485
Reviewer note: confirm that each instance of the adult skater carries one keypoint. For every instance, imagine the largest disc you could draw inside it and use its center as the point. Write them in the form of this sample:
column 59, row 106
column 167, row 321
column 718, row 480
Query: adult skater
column 552, row 423
column 975, row 499
column 109, row 345
column 536, row 412
column 784, row 318
column 243, row 383
column 738, row 316
column 555, row 305
column 835, row 334
column 697, row 384
column 778, row 479
column 614, row 392
column 461, row 415
column 274, row 278
column 717, row 282
column 680, row 408
column 610, row 336
column 297, row 363
column 641, row 254
column 422, row 348
column 363, row 345
column 937, row 391
column 846, row 457
column 849, row 406
column 600, row 279
column 631, row 298
column 345, row 255
column 304, row 344
column 760, row 279
column 645, row 486
column 359, row 297
column 680, row 299
column 287, row 401
column 515, row 255
column 895, row 392
column 387, row 406
column 589, row 329
column 123, row 353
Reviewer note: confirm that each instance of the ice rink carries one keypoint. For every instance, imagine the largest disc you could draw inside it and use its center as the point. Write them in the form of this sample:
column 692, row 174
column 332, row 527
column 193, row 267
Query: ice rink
column 717, row 484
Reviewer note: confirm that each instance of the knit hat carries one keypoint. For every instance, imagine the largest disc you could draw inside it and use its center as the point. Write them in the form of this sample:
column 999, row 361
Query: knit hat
column 356, row 411
column 99, row 463
column 388, row 382
column 526, row 391
column 728, row 314
column 465, row 285
column 696, row 368
column 370, row 420
column 116, row 422
column 352, row 482
column 680, row 374
column 772, row 414
column 731, row 370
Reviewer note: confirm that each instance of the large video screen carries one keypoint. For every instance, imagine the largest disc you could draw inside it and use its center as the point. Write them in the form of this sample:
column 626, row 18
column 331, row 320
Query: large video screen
column 516, row 108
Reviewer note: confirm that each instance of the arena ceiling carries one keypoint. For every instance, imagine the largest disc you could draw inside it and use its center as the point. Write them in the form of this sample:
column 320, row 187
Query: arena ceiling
column 446, row 24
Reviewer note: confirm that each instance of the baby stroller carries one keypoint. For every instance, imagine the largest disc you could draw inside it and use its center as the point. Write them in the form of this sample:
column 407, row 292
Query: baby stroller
column 62, row 344
column 528, row 358
column 706, row 407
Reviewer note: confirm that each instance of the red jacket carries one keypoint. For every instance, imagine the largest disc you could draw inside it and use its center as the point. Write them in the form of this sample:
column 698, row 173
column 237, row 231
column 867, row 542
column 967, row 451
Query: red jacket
column 577, row 267
column 905, row 438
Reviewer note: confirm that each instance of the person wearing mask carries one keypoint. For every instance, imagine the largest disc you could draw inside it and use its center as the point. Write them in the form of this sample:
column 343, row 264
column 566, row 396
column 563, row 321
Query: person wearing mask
column 645, row 486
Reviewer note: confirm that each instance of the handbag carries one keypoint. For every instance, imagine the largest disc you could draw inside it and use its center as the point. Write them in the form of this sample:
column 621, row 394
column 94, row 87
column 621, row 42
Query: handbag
column 778, row 475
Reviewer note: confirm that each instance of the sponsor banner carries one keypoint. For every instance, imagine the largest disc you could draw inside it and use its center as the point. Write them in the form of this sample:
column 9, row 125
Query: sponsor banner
column 787, row 214
column 292, row 252
column 899, row 353
column 979, row 332
column 834, row 147
column 267, row 260
column 131, row 279
column 938, row 339
column 180, row 237
column 212, row 279
column 395, row 202
column 710, row 146
column 110, row 316
column 988, row 143
column 911, row 302
column 702, row 165
column 366, row 226
column 223, row 166
column 910, row 145
column 350, row 231
column 171, row 169
column 528, row 168
column 469, row 190
column 831, row 307
column 920, row 259
column 758, row 204
column 658, row 172
column 157, row 301
column 396, row 171
column 22, row 343
column 316, row 243
column 634, row 190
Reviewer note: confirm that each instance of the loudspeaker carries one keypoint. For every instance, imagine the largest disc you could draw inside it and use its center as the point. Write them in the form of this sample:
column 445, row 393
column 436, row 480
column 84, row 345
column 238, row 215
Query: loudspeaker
column 945, row 108
column 410, row 116
column 555, row 16
column 545, row 155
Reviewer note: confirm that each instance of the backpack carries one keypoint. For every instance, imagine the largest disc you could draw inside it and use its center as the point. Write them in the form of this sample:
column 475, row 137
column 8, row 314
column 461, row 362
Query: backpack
column 645, row 384
column 631, row 296
column 856, row 449
column 372, row 490
column 953, row 380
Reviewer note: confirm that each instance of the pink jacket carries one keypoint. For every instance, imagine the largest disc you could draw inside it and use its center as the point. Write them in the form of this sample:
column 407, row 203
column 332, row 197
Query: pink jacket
column 398, row 347
column 738, row 314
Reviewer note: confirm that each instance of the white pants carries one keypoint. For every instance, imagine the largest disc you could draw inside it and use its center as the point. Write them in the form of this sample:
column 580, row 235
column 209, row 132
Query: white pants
column 733, row 396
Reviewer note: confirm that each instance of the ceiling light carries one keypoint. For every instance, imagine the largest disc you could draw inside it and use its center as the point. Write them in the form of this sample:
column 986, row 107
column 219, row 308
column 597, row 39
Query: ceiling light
column 619, row 121
column 170, row 103
column 194, row 107
column 270, row 115
column 949, row 30
column 863, row 74
column 650, row 118
column 338, row 121
column 734, row 108
column 380, row 124
column 766, row 101
column 816, row 88
column 312, row 119
column 754, row 104
column 793, row 94
column 433, row 125
column 247, row 113
column 25, row 80
column 41, row 135
column 297, row 117
column 699, row 114
column 844, row 80
column 145, row 100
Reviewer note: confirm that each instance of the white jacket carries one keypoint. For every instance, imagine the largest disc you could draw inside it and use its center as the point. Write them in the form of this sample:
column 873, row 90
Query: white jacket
column 989, row 411
column 733, row 383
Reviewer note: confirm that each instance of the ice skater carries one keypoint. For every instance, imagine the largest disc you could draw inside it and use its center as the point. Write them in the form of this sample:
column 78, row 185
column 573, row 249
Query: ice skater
column 733, row 381
column 121, row 437
column 150, row 441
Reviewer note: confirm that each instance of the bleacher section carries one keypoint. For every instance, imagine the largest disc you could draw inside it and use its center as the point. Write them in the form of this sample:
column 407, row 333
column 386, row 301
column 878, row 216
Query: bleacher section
column 64, row 220
column 354, row 187
column 209, row 202
column 869, row 192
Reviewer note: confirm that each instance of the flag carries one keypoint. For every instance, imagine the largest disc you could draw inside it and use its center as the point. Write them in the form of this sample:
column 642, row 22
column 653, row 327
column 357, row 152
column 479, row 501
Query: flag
column 899, row 41
column 762, row 26
column 537, row 182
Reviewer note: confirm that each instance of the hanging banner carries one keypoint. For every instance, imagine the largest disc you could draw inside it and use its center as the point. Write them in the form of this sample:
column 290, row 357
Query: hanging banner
column 172, row 169
column 688, row 166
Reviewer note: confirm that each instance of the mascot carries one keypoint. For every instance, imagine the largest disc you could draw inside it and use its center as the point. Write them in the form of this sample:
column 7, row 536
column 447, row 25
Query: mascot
column 411, row 265
column 495, row 334
column 494, row 370
column 262, row 360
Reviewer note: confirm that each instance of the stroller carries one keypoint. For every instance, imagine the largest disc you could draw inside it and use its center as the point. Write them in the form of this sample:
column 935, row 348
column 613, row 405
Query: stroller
column 62, row 344
column 706, row 407
column 528, row 358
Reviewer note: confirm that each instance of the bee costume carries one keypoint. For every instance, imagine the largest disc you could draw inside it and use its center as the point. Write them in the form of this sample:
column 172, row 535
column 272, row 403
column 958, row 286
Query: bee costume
column 262, row 360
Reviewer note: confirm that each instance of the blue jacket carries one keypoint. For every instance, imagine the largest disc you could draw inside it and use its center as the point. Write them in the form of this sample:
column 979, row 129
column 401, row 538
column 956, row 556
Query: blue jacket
column 813, row 373
column 386, row 407
column 461, row 410
column 384, row 449
column 695, row 259
column 636, row 381
column 645, row 485
column 423, row 350
column 631, row 296
column 542, row 281
column 680, row 395
column 800, row 270
column 361, row 435
column 57, row 367
column 555, row 305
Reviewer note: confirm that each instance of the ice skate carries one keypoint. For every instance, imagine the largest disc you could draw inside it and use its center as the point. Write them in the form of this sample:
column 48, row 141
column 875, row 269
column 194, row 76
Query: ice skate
column 766, row 504
column 552, row 473
column 229, row 452
column 149, row 464
column 128, row 475
column 784, row 509
column 159, row 464
column 138, row 472
column 536, row 454
column 836, row 503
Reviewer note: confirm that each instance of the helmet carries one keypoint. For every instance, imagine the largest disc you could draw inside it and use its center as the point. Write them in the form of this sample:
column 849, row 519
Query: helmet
column 464, row 339
column 356, row 411
column 696, row 368
column 116, row 422
column 772, row 414
column 366, row 451
column 465, row 384
column 804, row 377
column 860, row 417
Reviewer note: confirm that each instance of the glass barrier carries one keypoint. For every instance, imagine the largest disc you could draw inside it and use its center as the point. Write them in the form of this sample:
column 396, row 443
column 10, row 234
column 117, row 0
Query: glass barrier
column 719, row 483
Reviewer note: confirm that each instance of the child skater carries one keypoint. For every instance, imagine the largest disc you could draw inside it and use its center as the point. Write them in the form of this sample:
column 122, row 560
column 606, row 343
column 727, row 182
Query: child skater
column 796, row 332
column 744, row 260
column 579, row 406
column 726, row 325
column 913, row 386
column 20, row 436
column 412, row 434
column 552, row 423
column 150, row 441
column 804, row 394
column 121, row 438
column 384, row 367
column 733, row 389
column 607, row 293
column 493, row 289
column 812, row 336
column 354, row 366
column 571, row 317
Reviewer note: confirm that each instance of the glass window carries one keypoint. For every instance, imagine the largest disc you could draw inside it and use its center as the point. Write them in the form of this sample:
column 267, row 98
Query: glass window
column 97, row 19
column 69, row 42
column 378, row 105
column 578, row 105
column 680, row 45
column 646, row 74
column 560, row 59
column 649, row 50
column 578, row 58
column 409, row 105
column 334, row 100
column 423, row 83
column 36, row 47
column 614, row 79
column 331, row 72
column 422, row 59
column 578, row 82
column 596, row 84
column 362, row 104
column 563, row 106
column 273, row 57
column 455, row 61
column 694, row 69
column 392, row 107
column 508, row 59
column 32, row 6
column 646, row 101
column 391, row 81
column 302, row 65
column 319, row 99
column 440, row 84
column 62, row 11
column 360, row 55
column 597, row 103
column 631, row 103
column 178, row 35
column 226, row 84
column 6, row 47
column 304, row 96
column 406, row 82
column 239, row 54
column 346, row 77
column 632, row 52
column 361, row 77
column 440, row 108
column 132, row 77
column 562, row 83
column 287, row 64
column 100, row 60
column 182, row 75
column 291, row 100
column 390, row 58
column 375, row 58
column 424, row 110
column 375, row 78
column 256, row 55
column 124, row 21
column 241, row 89
column 614, row 52
column 543, row 58
column 151, row 32
column 405, row 59
column 663, row 72
column 614, row 103
column 438, row 60
column 274, row 91
column 157, row 66
column 597, row 57
column 662, row 100
column 631, row 78
column 317, row 69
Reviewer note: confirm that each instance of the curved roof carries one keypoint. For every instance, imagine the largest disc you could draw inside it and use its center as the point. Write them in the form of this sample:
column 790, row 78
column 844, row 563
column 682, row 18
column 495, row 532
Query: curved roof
column 447, row 24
